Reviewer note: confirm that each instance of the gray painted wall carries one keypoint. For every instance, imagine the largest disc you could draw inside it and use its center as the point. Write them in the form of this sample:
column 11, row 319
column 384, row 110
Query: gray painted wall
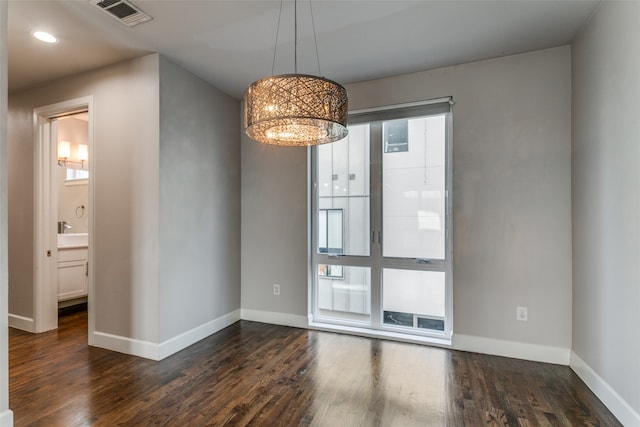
column 167, row 203
column 199, row 202
column 606, row 198
column 6, row 417
column 511, row 198
column 20, row 194
column 274, row 228
column 126, row 183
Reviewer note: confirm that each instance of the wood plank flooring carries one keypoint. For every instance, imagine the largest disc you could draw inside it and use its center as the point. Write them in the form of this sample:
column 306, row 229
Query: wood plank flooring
column 265, row 375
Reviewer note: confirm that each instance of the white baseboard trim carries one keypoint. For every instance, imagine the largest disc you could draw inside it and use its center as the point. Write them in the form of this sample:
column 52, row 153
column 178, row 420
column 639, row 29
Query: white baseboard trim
column 22, row 323
column 6, row 418
column 518, row 350
column 184, row 340
column 612, row 400
column 126, row 345
column 515, row 349
column 154, row 351
column 283, row 319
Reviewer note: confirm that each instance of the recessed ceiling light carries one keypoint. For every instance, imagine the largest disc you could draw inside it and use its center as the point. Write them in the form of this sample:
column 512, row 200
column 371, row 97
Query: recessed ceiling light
column 45, row 37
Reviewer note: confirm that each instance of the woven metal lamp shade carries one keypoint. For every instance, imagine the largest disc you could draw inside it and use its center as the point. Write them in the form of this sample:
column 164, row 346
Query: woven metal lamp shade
column 295, row 110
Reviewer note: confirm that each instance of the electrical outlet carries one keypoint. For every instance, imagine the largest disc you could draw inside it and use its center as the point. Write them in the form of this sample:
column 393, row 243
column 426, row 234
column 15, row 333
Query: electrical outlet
column 276, row 289
column 521, row 314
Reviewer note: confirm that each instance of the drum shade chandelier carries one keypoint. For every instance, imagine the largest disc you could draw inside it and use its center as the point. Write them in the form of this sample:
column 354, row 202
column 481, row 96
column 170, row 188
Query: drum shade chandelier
column 295, row 109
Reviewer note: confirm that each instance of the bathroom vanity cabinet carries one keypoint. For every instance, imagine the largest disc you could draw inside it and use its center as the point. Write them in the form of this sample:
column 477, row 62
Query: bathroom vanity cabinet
column 73, row 271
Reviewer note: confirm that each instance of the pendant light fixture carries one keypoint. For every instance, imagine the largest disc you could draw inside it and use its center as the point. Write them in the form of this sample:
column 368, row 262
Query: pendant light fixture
column 295, row 109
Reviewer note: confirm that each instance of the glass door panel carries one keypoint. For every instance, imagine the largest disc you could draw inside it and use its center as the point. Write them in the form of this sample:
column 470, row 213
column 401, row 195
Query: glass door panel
column 344, row 292
column 343, row 195
column 413, row 298
column 414, row 188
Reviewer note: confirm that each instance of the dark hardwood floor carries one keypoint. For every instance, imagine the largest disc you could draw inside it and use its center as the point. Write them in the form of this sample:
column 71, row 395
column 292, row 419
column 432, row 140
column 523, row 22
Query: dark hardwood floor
column 264, row 375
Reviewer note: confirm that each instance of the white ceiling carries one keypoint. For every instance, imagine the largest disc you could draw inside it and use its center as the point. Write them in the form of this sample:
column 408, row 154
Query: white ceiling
column 230, row 43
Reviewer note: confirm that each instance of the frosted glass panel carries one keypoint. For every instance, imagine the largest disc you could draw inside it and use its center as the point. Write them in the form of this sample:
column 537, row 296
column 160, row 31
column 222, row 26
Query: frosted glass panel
column 413, row 298
column 343, row 185
column 414, row 188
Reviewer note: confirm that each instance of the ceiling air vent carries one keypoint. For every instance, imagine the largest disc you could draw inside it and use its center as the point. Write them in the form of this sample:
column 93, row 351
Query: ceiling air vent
column 123, row 11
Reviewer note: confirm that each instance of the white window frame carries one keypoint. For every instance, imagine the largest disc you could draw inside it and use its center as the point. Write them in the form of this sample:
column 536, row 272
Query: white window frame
column 385, row 331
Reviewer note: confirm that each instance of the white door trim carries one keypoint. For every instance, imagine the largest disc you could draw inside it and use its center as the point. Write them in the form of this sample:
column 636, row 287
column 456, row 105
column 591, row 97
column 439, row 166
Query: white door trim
column 45, row 294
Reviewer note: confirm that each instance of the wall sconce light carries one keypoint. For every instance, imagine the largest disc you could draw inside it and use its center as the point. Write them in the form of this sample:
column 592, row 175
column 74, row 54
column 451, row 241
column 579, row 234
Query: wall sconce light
column 83, row 153
column 64, row 154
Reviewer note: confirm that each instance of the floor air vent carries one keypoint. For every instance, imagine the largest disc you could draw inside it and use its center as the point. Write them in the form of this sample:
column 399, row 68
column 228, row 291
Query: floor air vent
column 123, row 11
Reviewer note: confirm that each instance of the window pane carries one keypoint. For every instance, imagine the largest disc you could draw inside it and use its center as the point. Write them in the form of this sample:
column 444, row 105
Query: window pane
column 396, row 136
column 334, row 232
column 343, row 194
column 414, row 191
column 322, row 230
column 330, row 226
column 414, row 299
column 344, row 292
column 76, row 174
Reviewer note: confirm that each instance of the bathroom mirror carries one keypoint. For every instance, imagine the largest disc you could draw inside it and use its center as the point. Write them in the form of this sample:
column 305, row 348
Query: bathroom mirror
column 72, row 148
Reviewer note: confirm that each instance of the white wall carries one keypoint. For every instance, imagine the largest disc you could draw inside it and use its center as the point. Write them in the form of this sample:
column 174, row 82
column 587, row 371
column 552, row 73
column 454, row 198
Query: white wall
column 606, row 202
column 199, row 203
column 126, row 184
column 6, row 416
column 511, row 204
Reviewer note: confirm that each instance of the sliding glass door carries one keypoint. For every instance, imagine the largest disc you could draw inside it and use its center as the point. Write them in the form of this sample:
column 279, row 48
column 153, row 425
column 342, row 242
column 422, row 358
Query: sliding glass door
column 381, row 251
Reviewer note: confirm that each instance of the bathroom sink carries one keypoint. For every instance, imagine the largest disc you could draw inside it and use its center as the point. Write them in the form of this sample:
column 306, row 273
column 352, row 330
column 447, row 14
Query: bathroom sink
column 73, row 240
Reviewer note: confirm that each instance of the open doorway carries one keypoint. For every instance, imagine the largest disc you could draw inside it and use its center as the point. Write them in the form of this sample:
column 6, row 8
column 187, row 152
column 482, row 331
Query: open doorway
column 63, row 210
column 72, row 181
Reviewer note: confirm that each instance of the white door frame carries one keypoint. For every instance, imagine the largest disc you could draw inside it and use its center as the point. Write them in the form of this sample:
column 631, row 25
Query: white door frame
column 45, row 295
